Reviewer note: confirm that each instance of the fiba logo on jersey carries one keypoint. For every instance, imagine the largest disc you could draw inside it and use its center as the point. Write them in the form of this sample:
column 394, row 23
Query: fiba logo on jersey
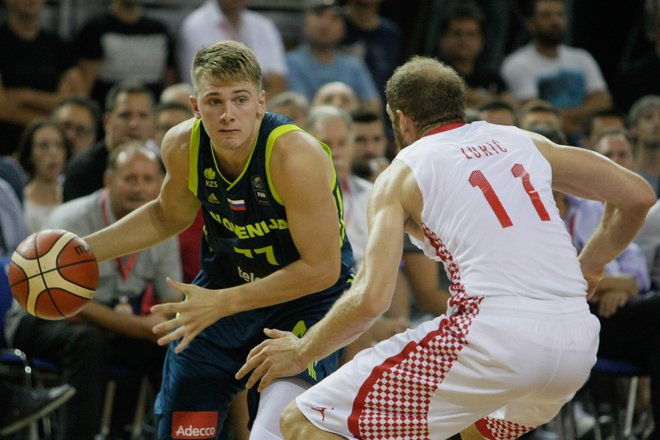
column 259, row 190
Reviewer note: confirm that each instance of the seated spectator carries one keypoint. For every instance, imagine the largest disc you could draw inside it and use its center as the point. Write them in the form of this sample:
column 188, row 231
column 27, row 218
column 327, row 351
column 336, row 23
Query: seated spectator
column 13, row 227
column 460, row 43
column 497, row 112
column 106, row 332
column 179, row 92
column 219, row 20
column 598, row 120
column 569, row 78
column 374, row 39
column 648, row 240
column 12, row 173
column 644, row 118
column 370, row 157
column 539, row 112
column 43, row 153
column 291, row 104
column 337, row 94
column 80, row 118
column 616, row 144
column 123, row 44
column 128, row 117
column 37, row 70
column 318, row 60
column 167, row 115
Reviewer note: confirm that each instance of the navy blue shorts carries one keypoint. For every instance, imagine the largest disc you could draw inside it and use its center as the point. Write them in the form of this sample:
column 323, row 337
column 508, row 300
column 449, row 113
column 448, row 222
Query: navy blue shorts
column 199, row 385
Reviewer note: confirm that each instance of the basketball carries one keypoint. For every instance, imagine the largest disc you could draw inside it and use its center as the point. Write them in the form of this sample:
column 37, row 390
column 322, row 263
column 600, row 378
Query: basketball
column 53, row 274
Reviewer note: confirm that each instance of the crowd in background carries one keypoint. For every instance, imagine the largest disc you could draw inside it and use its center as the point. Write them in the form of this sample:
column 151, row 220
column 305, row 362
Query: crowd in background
column 82, row 120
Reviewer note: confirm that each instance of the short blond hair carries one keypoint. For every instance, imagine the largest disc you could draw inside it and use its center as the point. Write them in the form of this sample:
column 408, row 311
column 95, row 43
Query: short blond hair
column 228, row 61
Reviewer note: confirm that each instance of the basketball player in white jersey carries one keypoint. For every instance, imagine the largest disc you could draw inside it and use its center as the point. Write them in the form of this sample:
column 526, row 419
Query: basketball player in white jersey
column 518, row 339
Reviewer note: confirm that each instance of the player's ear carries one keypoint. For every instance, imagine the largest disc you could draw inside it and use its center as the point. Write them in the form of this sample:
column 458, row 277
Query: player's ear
column 194, row 103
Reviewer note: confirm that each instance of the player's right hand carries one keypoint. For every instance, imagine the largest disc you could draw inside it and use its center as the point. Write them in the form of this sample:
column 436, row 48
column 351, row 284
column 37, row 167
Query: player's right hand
column 273, row 358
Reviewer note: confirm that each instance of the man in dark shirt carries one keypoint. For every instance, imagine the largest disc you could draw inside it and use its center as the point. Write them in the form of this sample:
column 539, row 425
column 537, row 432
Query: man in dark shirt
column 36, row 71
column 128, row 117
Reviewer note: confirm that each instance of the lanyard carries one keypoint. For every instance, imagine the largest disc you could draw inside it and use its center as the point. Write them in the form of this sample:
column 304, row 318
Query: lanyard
column 124, row 272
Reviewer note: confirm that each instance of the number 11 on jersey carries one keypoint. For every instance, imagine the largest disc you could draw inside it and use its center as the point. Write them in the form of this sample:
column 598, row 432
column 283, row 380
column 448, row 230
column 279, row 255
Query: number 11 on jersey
column 477, row 179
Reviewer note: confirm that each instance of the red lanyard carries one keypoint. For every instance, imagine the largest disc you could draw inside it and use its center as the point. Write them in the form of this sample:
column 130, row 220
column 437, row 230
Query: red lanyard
column 124, row 272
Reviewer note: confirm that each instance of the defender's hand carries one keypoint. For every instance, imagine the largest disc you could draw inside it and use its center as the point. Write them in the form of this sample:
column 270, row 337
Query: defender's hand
column 273, row 358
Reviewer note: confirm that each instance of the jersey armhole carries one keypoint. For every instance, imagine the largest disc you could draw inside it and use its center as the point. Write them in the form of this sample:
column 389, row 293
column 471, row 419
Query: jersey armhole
column 270, row 143
column 193, row 156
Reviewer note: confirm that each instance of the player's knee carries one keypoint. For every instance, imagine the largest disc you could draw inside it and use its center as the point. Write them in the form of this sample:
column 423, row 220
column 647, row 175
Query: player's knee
column 292, row 421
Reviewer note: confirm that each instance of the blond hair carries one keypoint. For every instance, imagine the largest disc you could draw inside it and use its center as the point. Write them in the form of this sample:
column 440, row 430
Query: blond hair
column 227, row 61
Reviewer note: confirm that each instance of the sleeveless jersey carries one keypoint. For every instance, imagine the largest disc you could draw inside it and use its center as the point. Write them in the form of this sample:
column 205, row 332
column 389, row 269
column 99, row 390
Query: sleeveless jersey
column 489, row 214
column 246, row 234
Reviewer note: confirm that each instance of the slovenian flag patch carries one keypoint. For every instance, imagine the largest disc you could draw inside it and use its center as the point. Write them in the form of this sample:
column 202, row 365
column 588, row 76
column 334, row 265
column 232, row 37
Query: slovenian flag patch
column 236, row 205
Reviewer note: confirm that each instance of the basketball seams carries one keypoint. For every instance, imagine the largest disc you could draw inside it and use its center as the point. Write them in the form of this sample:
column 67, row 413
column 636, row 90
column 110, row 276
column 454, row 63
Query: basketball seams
column 64, row 266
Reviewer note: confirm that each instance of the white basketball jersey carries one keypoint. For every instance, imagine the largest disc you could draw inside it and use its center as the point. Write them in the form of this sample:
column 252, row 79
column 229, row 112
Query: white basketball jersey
column 489, row 214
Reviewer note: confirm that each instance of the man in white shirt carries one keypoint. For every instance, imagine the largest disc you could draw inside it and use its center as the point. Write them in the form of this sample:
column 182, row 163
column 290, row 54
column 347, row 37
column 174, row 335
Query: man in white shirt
column 567, row 77
column 218, row 20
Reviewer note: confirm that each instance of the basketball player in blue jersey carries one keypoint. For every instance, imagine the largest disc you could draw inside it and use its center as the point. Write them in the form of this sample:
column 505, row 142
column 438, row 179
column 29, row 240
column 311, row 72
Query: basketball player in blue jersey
column 274, row 251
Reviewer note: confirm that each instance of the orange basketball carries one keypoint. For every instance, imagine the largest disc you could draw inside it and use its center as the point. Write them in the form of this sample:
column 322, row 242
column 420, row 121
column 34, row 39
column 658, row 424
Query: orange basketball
column 53, row 274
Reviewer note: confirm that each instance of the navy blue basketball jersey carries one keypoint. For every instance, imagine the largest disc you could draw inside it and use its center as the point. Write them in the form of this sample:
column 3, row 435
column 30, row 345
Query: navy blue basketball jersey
column 246, row 234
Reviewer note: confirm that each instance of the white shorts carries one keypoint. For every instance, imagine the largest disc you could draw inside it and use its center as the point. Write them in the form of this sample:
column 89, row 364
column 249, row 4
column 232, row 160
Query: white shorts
column 506, row 364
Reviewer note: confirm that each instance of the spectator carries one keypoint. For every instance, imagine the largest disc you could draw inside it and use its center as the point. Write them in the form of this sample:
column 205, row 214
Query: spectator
column 80, row 118
column 222, row 20
column 460, row 44
column 105, row 333
column 36, row 71
column 374, row 39
column 43, row 153
column 13, row 174
column 539, row 112
column 169, row 114
column 318, row 60
column 370, row 145
column 179, row 92
column 598, row 120
column 497, row 112
column 616, row 144
column 128, row 117
column 337, row 94
column 13, row 228
column 648, row 240
column 569, row 78
column 122, row 44
column 644, row 118
column 291, row 104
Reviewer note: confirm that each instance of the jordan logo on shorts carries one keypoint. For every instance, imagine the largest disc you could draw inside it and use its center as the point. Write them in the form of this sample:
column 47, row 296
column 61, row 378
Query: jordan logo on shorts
column 194, row 424
column 322, row 410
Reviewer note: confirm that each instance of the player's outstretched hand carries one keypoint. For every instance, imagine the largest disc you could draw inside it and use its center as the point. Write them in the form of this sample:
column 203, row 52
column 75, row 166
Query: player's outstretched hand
column 200, row 309
column 273, row 358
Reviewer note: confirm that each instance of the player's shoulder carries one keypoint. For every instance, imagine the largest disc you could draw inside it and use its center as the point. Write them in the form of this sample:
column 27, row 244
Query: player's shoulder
column 178, row 137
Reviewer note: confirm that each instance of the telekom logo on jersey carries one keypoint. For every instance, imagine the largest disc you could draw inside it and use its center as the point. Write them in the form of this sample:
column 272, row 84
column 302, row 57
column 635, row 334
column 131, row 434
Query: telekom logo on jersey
column 488, row 149
column 194, row 424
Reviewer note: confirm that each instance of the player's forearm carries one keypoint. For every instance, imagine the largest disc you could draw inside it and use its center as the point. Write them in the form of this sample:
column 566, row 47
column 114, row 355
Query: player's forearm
column 617, row 229
column 350, row 317
column 139, row 230
column 296, row 280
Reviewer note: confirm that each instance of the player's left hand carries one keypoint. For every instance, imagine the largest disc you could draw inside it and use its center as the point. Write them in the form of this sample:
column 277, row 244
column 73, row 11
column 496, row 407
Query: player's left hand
column 273, row 358
column 200, row 309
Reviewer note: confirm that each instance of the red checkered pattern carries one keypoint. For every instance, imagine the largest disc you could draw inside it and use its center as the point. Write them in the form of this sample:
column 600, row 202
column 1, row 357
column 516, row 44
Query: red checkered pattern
column 498, row 429
column 393, row 403
column 447, row 259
